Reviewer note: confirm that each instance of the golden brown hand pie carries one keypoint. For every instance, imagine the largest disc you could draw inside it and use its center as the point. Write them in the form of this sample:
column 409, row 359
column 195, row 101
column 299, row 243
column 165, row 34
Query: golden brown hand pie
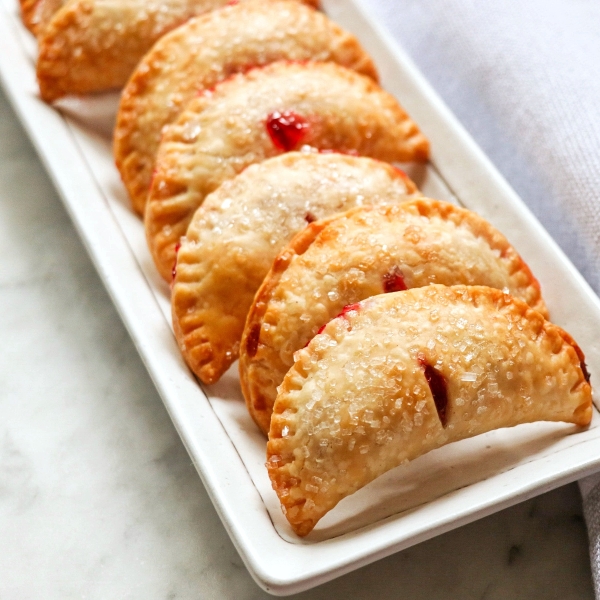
column 362, row 253
column 206, row 50
column 261, row 114
column 401, row 374
column 94, row 45
column 238, row 231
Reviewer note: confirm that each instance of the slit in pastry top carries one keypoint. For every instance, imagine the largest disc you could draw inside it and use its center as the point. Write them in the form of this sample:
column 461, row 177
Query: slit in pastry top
column 358, row 402
column 222, row 132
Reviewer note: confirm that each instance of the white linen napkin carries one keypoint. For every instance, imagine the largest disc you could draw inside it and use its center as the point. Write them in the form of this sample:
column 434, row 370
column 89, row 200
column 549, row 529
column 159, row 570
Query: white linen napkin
column 524, row 78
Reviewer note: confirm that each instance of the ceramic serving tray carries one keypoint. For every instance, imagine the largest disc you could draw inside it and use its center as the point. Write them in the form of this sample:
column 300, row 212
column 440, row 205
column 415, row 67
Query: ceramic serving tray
column 435, row 493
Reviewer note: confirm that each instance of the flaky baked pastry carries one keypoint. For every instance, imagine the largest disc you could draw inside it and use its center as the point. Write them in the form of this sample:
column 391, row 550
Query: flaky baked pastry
column 206, row 50
column 238, row 231
column 37, row 13
column 261, row 114
column 27, row 8
column 362, row 253
column 94, row 45
column 400, row 374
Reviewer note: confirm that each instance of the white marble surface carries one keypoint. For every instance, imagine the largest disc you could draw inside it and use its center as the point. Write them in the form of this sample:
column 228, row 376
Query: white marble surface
column 98, row 498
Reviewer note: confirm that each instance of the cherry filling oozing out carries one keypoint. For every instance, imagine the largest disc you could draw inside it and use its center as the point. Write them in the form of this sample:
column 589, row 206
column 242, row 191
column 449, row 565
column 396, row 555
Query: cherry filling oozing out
column 345, row 310
column 348, row 308
column 393, row 281
column 286, row 129
column 400, row 172
column 437, row 384
column 252, row 340
column 174, row 269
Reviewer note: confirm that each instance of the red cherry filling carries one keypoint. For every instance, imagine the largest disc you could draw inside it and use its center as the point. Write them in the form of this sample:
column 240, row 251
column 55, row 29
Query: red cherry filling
column 345, row 310
column 348, row 308
column 437, row 384
column 174, row 269
column 309, row 217
column 400, row 172
column 252, row 340
column 394, row 281
column 286, row 129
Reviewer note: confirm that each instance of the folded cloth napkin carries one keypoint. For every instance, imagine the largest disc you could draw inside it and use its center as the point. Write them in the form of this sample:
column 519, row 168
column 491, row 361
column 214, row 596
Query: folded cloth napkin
column 524, row 79
column 590, row 492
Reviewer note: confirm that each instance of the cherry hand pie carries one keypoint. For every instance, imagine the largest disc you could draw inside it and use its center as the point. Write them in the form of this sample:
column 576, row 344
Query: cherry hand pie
column 206, row 50
column 400, row 374
column 362, row 253
column 261, row 114
column 238, row 231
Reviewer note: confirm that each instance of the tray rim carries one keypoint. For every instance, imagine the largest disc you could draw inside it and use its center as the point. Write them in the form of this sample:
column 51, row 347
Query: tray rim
column 263, row 551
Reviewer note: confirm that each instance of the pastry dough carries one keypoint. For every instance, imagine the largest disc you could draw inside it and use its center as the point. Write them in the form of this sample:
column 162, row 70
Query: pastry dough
column 37, row 13
column 94, row 45
column 27, row 13
column 401, row 374
column 234, row 237
column 206, row 50
column 261, row 114
column 362, row 253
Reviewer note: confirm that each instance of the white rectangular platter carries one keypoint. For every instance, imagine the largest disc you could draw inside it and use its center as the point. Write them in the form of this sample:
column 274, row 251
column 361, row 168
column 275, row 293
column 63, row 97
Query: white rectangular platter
column 442, row 490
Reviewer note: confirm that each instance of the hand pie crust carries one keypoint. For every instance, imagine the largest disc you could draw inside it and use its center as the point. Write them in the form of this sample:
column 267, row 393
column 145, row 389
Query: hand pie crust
column 235, row 235
column 94, row 45
column 38, row 13
column 28, row 8
column 401, row 374
column 365, row 252
column 244, row 120
column 27, row 11
column 206, row 50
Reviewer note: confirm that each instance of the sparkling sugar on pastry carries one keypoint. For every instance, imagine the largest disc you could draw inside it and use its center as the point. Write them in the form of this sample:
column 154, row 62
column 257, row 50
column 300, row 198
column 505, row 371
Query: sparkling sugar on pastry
column 362, row 253
column 206, row 50
column 94, row 45
column 403, row 373
column 37, row 13
column 222, row 132
column 238, row 231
